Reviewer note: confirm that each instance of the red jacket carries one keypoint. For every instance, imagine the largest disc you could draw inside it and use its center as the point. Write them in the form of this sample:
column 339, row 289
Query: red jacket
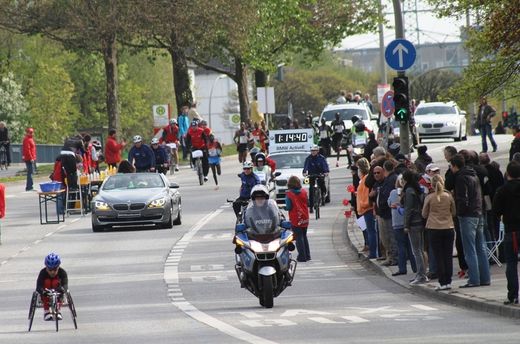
column 299, row 212
column 28, row 148
column 170, row 134
column 271, row 163
column 113, row 151
column 197, row 137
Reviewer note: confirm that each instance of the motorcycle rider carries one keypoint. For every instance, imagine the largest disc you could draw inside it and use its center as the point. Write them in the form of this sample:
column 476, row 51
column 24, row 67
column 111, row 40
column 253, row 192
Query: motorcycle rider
column 262, row 170
column 272, row 164
column 315, row 164
column 161, row 157
column 170, row 134
column 262, row 215
column 196, row 138
column 249, row 180
column 325, row 133
column 141, row 156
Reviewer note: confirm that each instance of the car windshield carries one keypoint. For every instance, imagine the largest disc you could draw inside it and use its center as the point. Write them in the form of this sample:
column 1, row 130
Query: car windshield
column 133, row 181
column 294, row 160
column 345, row 114
column 435, row 110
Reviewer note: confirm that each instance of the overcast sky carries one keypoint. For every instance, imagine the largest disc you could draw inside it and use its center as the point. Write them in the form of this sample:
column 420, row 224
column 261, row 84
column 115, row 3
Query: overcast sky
column 432, row 29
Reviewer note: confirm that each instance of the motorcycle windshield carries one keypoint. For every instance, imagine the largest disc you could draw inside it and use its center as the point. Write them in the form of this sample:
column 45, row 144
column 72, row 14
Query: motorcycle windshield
column 263, row 219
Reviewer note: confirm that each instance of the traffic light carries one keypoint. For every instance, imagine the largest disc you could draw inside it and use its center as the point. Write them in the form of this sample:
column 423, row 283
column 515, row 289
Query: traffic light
column 401, row 99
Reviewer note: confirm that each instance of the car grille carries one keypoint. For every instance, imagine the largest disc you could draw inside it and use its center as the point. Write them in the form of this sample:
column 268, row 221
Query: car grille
column 131, row 206
column 438, row 125
column 281, row 182
column 137, row 206
column 426, row 125
column 120, row 206
column 265, row 256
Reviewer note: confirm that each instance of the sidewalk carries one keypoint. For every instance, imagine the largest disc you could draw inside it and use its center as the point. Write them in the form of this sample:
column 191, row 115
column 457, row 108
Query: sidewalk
column 488, row 299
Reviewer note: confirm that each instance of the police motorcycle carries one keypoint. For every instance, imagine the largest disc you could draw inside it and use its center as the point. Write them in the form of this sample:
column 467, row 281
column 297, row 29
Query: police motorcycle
column 263, row 240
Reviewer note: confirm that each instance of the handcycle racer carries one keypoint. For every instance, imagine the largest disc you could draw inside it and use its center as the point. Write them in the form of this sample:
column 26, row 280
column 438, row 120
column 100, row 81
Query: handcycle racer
column 52, row 276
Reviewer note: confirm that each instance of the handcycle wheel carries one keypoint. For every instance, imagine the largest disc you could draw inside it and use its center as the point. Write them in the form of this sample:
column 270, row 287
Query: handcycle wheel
column 199, row 172
column 32, row 309
column 72, row 308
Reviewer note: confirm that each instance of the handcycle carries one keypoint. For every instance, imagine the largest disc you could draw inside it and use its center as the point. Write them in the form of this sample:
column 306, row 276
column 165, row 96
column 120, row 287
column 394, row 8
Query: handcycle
column 55, row 297
column 197, row 157
column 319, row 198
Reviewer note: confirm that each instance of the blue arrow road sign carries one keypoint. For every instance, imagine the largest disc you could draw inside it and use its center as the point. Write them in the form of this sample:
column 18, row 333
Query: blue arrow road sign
column 400, row 54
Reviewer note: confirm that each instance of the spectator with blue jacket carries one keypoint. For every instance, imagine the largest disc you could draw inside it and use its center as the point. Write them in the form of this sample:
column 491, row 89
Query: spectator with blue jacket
column 141, row 156
column 184, row 124
column 316, row 165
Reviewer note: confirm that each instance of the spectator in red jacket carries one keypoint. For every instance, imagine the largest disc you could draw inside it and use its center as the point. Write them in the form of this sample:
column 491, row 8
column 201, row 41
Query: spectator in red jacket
column 29, row 156
column 113, row 149
column 296, row 204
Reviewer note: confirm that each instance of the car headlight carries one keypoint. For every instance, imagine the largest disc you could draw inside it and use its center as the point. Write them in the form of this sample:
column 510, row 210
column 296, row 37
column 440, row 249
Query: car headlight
column 157, row 203
column 101, row 205
column 452, row 124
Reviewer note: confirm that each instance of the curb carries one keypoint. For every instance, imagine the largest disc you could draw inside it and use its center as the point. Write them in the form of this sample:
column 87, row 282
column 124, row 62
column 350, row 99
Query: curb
column 453, row 297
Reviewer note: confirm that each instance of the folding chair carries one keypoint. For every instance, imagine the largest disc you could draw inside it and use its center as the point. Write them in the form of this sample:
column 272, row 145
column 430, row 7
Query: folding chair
column 492, row 246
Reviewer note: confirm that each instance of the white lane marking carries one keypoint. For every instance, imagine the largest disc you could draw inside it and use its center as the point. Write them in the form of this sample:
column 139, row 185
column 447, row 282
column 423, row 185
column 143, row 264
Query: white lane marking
column 61, row 227
column 354, row 319
column 171, row 277
column 268, row 322
column 296, row 312
column 322, row 320
column 208, row 267
column 10, row 196
column 75, row 220
column 424, row 308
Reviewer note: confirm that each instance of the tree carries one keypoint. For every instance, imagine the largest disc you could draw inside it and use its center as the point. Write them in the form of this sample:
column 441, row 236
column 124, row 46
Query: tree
column 13, row 107
column 493, row 46
column 432, row 86
column 92, row 26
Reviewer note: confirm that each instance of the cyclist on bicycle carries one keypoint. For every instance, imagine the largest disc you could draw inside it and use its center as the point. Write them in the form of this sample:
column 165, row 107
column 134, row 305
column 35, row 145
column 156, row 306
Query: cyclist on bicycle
column 262, row 170
column 249, row 180
column 161, row 157
column 196, row 139
column 52, row 276
column 170, row 135
column 141, row 156
column 315, row 165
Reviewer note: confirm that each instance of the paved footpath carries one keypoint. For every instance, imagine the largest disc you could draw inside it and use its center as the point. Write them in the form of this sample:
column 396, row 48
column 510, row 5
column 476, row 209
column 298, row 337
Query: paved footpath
column 489, row 298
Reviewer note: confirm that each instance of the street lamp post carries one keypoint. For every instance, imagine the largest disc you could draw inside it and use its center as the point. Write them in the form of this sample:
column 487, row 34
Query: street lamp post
column 221, row 76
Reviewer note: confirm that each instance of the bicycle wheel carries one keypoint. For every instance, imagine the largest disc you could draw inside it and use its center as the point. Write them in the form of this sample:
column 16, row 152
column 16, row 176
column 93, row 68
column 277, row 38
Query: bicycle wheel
column 32, row 309
column 72, row 308
column 199, row 171
column 317, row 201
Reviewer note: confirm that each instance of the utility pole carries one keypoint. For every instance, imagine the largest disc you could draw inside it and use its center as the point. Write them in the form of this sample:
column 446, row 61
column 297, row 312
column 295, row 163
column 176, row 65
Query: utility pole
column 404, row 129
column 382, row 65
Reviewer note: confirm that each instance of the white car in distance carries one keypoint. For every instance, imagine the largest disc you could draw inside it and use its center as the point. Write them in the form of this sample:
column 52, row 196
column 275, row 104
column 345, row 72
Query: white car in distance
column 440, row 120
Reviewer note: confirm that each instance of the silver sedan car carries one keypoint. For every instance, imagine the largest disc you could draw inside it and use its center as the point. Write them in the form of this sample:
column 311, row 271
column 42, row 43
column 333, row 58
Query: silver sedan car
column 136, row 199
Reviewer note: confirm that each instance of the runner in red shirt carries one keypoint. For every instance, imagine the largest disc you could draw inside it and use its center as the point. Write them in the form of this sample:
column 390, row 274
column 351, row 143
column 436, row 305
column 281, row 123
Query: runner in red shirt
column 197, row 140
column 259, row 137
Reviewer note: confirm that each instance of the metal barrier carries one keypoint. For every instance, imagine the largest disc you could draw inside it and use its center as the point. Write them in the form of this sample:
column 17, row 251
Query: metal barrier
column 44, row 153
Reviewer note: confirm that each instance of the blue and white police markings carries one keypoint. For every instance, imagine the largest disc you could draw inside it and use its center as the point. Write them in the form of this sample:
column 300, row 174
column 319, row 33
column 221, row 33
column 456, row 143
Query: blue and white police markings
column 400, row 54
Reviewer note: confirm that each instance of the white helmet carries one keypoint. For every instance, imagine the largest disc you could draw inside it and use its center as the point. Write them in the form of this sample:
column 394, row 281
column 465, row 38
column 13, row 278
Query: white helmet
column 154, row 141
column 173, row 121
column 315, row 148
column 247, row 164
column 259, row 190
column 138, row 139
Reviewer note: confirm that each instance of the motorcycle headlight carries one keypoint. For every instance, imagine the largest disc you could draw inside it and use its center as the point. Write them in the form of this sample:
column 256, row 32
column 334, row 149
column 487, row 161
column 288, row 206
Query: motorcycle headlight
column 101, row 205
column 306, row 180
column 157, row 203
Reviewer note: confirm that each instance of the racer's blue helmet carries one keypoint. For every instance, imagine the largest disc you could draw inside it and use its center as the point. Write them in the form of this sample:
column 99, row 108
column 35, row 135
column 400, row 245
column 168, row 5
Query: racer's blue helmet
column 52, row 261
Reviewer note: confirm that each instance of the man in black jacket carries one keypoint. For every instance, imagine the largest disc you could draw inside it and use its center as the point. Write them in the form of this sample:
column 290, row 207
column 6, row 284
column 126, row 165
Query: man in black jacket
column 384, row 213
column 484, row 115
column 505, row 205
column 468, row 201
